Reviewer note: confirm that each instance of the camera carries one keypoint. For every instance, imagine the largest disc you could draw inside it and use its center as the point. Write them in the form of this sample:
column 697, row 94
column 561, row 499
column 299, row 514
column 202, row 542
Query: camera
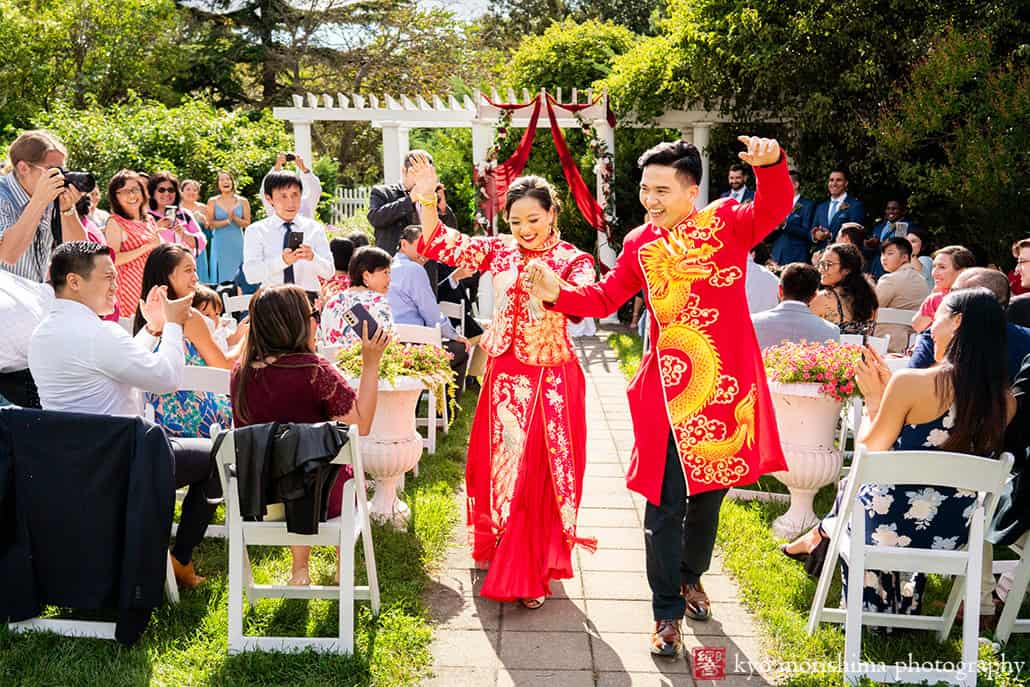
column 82, row 181
column 290, row 157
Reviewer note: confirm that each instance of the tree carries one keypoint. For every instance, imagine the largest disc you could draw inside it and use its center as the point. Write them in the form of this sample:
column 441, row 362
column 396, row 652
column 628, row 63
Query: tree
column 958, row 136
column 822, row 70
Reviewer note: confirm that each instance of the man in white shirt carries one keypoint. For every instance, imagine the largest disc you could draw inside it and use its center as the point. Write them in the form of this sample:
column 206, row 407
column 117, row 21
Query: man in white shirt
column 267, row 258
column 83, row 364
column 23, row 304
column 760, row 285
column 311, row 192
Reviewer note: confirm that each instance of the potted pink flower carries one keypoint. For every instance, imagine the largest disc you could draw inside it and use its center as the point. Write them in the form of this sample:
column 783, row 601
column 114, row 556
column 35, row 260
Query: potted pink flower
column 808, row 382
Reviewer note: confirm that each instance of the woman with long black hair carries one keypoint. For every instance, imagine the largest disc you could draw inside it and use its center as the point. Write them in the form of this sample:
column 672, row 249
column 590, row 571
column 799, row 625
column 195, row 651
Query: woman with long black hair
column 846, row 299
column 962, row 404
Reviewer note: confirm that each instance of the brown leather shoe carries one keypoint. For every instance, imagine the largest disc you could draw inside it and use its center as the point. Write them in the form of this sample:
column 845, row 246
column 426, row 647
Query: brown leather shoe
column 185, row 576
column 698, row 605
column 665, row 640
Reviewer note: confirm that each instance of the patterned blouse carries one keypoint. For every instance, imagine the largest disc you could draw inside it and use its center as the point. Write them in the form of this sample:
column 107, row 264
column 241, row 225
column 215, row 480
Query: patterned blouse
column 190, row 413
column 334, row 328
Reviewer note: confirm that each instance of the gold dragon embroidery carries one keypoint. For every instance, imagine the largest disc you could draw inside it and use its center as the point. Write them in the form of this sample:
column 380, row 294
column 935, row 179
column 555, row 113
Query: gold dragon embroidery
column 671, row 266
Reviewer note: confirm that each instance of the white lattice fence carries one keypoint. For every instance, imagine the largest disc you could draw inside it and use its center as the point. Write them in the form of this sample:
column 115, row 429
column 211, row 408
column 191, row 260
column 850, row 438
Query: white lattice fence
column 348, row 202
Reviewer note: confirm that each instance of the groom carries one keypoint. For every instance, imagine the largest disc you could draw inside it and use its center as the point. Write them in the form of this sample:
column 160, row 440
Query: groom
column 702, row 417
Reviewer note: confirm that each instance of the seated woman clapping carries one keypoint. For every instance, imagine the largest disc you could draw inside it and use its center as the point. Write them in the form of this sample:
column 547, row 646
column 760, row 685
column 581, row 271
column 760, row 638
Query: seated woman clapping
column 962, row 404
column 186, row 413
column 369, row 269
column 280, row 378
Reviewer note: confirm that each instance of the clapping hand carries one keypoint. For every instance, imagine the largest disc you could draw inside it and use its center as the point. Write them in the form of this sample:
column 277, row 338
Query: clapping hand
column 760, row 151
column 872, row 375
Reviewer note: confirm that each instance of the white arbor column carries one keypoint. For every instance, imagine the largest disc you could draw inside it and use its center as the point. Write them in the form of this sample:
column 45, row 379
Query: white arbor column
column 302, row 141
column 482, row 139
column 395, row 147
column 605, row 253
column 700, row 137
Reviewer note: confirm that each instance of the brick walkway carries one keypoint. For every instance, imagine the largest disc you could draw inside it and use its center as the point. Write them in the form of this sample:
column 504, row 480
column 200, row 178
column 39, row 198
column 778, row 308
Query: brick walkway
column 594, row 631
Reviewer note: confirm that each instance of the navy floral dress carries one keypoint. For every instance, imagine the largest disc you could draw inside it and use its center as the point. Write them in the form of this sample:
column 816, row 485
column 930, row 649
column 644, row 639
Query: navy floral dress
column 908, row 515
column 190, row 413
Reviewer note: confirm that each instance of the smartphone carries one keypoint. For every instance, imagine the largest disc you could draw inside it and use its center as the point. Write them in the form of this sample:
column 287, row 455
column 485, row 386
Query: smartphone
column 358, row 314
column 290, row 157
column 295, row 240
column 170, row 212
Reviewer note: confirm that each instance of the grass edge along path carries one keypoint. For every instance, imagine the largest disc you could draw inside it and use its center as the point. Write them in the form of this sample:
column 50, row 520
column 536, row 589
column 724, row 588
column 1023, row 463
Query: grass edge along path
column 778, row 592
column 187, row 644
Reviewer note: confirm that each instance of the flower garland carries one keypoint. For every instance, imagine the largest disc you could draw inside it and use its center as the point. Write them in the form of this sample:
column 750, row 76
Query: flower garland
column 486, row 167
column 604, row 163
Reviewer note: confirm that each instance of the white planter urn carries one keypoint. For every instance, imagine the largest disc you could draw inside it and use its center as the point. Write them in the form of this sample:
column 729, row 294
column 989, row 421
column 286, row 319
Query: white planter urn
column 392, row 447
column 807, row 420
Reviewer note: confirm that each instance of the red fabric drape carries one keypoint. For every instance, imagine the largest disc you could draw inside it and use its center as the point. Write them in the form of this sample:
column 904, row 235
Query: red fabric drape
column 585, row 200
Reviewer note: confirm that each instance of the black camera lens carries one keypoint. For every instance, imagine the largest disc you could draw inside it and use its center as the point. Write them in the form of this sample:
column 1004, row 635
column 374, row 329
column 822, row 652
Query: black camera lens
column 83, row 181
column 290, row 157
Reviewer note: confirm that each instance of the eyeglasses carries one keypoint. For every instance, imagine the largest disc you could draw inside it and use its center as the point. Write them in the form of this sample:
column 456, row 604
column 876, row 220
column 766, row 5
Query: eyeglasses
column 823, row 265
column 316, row 315
column 128, row 191
column 165, row 189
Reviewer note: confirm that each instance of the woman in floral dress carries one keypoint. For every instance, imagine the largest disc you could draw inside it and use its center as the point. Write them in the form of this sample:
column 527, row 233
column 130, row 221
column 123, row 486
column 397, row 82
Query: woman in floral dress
column 527, row 450
column 370, row 280
column 961, row 404
column 187, row 413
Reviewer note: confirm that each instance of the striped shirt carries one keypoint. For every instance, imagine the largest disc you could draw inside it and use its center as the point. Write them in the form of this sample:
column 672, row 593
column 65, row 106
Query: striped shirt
column 35, row 260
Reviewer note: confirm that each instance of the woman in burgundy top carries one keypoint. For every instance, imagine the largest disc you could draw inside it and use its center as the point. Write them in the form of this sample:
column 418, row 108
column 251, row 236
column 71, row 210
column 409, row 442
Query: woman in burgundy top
column 280, row 378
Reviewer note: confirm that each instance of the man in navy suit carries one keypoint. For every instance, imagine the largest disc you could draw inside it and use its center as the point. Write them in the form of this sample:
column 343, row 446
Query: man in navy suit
column 738, row 185
column 895, row 223
column 835, row 211
column 794, row 238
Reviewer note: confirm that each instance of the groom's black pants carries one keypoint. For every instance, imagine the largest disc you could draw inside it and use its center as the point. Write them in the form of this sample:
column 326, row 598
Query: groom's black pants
column 679, row 536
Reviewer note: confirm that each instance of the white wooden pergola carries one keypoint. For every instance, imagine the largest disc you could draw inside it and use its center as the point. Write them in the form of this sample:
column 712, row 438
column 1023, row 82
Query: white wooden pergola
column 397, row 117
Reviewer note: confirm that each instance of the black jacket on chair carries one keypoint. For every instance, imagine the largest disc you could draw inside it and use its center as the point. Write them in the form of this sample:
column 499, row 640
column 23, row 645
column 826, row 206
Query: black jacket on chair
column 287, row 463
column 86, row 504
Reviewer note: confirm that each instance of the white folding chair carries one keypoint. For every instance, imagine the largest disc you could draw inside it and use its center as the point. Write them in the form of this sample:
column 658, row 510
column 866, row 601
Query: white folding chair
column 931, row 468
column 895, row 316
column 235, row 304
column 1009, row 621
column 194, row 378
column 413, row 333
column 455, row 311
column 341, row 531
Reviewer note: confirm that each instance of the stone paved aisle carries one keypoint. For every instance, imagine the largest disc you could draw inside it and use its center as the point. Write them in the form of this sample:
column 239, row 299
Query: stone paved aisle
column 594, row 631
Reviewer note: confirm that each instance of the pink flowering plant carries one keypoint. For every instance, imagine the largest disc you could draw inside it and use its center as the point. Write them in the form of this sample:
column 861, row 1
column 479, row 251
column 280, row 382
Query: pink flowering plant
column 425, row 362
column 831, row 365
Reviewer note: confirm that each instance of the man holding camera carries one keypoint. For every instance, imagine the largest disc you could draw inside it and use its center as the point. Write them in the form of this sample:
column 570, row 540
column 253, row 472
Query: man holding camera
column 311, row 186
column 37, row 205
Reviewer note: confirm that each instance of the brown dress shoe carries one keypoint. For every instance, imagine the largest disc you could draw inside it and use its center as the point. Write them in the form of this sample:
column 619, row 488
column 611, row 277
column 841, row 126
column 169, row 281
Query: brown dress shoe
column 185, row 576
column 698, row 605
column 665, row 640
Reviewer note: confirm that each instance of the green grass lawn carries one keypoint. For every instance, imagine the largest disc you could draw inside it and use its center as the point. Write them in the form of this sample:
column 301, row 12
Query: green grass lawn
column 186, row 644
column 779, row 593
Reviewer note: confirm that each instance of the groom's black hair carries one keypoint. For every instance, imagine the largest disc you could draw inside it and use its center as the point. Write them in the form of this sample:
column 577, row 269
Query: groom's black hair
column 681, row 155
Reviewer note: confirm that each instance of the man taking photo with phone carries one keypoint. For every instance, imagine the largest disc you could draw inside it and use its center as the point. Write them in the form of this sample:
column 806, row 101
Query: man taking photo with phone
column 285, row 247
column 311, row 187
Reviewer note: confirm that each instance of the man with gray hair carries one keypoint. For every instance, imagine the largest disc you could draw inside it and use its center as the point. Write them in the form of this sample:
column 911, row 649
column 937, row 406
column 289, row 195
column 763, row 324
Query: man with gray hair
column 1017, row 338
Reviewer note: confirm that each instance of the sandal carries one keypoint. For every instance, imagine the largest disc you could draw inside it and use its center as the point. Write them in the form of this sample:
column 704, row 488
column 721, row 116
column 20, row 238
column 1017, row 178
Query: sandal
column 698, row 605
column 533, row 604
column 801, row 557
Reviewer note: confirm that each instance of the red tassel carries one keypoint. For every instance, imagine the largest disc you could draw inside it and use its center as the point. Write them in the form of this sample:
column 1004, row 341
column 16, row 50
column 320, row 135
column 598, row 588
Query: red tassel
column 588, row 543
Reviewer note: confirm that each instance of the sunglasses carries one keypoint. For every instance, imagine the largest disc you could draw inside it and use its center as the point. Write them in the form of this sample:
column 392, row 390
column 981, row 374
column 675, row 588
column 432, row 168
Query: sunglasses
column 165, row 189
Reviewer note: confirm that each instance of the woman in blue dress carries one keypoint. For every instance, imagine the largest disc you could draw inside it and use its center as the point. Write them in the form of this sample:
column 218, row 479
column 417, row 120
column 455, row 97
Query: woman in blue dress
column 963, row 404
column 230, row 215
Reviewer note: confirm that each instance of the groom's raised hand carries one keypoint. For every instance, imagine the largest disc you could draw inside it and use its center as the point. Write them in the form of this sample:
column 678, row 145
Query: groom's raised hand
column 760, row 151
